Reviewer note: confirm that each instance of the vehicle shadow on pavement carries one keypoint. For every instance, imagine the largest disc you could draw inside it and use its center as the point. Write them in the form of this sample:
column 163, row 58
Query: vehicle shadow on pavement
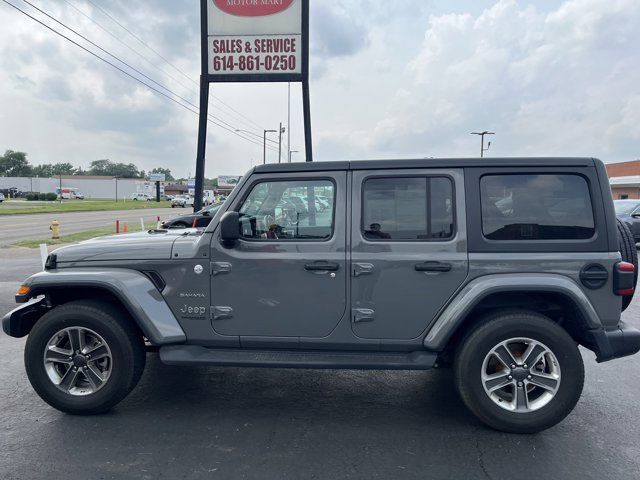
column 425, row 396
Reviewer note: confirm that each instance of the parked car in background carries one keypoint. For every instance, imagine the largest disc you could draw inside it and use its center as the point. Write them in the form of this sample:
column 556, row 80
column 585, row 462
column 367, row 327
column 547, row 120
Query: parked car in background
column 142, row 197
column 1, row 198
column 78, row 195
column 629, row 212
column 182, row 201
column 199, row 219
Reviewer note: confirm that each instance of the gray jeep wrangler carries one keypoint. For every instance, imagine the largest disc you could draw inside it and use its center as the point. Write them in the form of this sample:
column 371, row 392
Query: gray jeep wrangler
column 500, row 268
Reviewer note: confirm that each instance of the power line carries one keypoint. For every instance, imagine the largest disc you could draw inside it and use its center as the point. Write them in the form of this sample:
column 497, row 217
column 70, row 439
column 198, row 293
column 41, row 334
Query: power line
column 117, row 22
column 185, row 100
column 147, row 60
column 124, row 71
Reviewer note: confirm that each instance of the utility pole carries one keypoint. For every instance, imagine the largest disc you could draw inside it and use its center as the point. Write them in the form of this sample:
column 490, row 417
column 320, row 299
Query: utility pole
column 264, row 145
column 482, row 134
column 281, row 131
column 289, row 122
column 116, row 179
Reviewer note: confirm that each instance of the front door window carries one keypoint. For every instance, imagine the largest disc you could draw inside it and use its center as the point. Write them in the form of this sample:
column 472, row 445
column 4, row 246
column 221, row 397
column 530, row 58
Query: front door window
column 288, row 211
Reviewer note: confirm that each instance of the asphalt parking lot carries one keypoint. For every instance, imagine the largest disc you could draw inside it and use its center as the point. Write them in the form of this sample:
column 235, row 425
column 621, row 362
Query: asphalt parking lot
column 231, row 423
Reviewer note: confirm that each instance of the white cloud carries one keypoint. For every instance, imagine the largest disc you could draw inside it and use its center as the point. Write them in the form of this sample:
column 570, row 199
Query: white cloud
column 408, row 78
column 557, row 83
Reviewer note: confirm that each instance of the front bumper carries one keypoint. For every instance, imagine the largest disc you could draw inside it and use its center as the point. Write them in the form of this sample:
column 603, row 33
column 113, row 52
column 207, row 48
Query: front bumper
column 19, row 322
column 622, row 341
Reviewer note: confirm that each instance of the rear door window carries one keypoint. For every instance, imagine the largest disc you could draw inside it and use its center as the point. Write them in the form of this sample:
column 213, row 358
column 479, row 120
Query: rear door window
column 408, row 209
column 536, row 207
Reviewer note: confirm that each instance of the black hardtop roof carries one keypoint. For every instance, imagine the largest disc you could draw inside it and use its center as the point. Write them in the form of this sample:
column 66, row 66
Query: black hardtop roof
column 427, row 163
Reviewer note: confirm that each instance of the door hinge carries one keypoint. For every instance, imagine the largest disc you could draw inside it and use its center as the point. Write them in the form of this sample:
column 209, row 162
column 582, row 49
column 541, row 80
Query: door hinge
column 362, row 269
column 221, row 313
column 220, row 267
column 363, row 315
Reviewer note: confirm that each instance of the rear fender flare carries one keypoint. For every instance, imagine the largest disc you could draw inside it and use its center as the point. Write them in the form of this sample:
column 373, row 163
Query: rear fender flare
column 475, row 291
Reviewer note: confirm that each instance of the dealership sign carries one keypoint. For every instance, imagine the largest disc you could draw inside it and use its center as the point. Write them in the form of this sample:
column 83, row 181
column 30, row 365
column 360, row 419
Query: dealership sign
column 256, row 40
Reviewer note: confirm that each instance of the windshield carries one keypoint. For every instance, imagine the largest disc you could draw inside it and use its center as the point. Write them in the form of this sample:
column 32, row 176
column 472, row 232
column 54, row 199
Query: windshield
column 625, row 207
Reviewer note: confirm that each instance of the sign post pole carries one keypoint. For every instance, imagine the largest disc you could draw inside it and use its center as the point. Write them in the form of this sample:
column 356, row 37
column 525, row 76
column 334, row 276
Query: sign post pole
column 252, row 42
column 204, row 107
column 306, row 100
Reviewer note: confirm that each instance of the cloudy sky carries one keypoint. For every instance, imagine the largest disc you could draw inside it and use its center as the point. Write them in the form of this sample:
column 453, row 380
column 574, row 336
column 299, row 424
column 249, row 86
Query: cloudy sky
column 402, row 78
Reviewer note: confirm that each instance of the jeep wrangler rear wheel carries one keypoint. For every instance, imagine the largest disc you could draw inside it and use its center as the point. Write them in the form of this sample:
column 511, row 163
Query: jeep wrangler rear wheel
column 519, row 372
column 84, row 357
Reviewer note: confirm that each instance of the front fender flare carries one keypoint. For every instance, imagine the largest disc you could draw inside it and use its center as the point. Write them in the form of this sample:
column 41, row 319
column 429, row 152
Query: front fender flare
column 134, row 289
column 471, row 294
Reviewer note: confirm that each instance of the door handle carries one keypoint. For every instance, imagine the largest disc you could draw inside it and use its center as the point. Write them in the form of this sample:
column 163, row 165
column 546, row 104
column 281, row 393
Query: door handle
column 433, row 267
column 322, row 267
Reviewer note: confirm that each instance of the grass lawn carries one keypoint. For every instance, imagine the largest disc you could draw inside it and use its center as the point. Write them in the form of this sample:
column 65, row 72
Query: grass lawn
column 21, row 208
column 80, row 236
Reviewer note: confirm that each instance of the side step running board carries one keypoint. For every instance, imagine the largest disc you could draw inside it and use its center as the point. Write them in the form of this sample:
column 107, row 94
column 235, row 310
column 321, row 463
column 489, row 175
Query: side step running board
column 196, row 355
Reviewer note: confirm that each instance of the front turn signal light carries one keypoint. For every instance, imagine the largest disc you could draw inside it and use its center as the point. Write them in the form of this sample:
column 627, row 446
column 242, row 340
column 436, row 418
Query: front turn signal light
column 23, row 290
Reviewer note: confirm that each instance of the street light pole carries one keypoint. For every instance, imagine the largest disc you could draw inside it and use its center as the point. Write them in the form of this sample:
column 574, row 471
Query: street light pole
column 482, row 134
column 282, row 130
column 289, row 120
column 264, row 145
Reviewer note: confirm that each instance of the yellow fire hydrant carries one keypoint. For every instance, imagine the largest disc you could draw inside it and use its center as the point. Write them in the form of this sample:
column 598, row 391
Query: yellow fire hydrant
column 55, row 229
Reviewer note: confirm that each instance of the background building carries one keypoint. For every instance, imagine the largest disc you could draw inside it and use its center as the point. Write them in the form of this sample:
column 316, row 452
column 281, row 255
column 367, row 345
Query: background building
column 624, row 178
column 91, row 186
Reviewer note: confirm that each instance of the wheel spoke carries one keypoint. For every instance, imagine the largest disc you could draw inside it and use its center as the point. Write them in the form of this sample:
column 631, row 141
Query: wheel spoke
column 544, row 381
column 76, row 339
column 496, row 381
column 68, row 381
column 533, row 354
column 58, row 355
column 98, row 352
column 504, row 355
column 94, row 376
column 521, row 398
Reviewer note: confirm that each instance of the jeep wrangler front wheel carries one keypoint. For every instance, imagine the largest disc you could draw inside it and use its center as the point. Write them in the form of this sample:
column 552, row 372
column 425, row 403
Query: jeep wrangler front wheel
column 519, row 372
column 84, row 357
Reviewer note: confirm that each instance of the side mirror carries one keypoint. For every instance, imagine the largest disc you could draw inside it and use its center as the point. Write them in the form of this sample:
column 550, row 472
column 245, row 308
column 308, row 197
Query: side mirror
column 230, row 227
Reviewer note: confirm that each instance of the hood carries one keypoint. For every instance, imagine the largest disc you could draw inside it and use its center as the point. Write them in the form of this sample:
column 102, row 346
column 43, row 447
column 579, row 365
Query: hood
column 152, row 245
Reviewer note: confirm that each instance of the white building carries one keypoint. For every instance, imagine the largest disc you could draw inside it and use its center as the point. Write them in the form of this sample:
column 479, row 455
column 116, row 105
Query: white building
column 91, row 186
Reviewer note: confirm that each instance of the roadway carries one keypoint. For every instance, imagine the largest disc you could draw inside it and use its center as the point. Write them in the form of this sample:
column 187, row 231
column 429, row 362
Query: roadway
column 14, row 228
column 230, row 423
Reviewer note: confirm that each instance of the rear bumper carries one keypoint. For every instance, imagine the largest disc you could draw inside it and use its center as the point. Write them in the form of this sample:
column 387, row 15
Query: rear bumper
column 619, row 342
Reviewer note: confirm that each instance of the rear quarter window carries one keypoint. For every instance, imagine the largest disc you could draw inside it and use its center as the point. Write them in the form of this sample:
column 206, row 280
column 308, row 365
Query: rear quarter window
column 536, row 207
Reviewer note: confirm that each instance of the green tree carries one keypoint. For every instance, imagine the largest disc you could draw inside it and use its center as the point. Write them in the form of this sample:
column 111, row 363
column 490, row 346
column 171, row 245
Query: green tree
column 49, row 170
column 63, row 169
column 45, row 170
column 110, row 169
column 14, row 164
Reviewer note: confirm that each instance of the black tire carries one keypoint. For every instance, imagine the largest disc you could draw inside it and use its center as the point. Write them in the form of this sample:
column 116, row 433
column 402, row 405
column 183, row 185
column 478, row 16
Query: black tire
column 629, row 253
column 501, row 326
column 115, row 327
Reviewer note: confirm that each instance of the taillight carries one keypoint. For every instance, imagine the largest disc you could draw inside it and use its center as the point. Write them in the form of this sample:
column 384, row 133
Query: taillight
column 624, row 278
